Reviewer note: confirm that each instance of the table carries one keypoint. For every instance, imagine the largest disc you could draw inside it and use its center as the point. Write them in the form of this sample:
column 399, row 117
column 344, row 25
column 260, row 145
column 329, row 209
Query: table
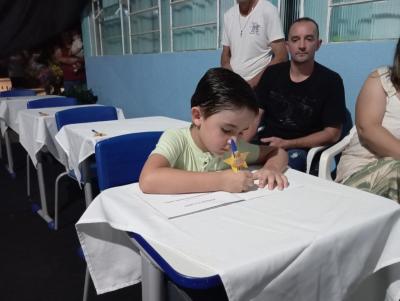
column 9, row 108
column 37, row 129
column 315, row 241
column 78, row 140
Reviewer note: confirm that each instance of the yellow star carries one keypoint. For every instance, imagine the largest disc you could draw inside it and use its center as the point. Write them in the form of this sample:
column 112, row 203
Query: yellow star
column 237, row 161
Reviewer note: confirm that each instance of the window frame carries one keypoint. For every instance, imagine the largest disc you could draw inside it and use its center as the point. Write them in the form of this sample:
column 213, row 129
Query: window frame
column 141, row 11
column 172, row 28
column 166, row 35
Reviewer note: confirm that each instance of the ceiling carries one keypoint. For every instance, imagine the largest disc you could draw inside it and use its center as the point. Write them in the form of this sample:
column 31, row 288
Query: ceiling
column 25, row 24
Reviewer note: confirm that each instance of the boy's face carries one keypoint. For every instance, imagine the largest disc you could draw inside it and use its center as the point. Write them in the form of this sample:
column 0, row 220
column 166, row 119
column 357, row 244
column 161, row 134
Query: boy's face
column 212, row 133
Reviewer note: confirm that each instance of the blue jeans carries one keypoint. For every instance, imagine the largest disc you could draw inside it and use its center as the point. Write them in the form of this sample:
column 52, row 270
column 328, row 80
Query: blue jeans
column 297, row 158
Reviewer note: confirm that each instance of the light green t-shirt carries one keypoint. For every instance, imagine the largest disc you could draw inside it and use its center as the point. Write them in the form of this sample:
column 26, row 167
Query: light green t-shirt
column 178, row 147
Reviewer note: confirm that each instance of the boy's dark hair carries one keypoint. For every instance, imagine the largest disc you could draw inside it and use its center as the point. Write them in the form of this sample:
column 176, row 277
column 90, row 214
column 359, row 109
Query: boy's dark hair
column 306, row 19
column 221, row 89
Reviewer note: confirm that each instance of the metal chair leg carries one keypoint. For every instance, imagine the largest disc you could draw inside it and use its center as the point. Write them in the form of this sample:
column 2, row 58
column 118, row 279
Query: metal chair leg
column 1, row 150
column 9, row 154
column 28, row 177
column 56, row 199
column 86, row 285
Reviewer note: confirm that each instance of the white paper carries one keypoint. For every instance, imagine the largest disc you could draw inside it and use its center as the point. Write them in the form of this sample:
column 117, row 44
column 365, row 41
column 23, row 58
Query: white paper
column 177, row 205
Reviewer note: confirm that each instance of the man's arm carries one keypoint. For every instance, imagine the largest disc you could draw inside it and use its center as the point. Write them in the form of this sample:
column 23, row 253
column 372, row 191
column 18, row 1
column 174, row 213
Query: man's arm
column 280, row 55
column 328, row 135
column 226, row 57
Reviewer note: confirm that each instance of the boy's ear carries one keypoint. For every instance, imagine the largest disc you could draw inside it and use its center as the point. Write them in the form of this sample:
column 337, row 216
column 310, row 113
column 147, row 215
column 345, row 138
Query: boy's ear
column 196, row 116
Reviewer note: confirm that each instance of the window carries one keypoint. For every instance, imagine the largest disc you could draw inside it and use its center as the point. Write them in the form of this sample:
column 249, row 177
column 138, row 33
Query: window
column 352, row 20
column 144, row 26
column 194, row 24
column 152, row 26
column 108, row 27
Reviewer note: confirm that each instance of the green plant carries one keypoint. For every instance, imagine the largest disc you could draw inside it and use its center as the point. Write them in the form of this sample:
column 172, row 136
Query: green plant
column 82, row 94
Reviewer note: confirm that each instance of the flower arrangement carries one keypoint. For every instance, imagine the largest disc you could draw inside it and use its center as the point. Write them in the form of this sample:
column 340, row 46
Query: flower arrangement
column 51, row 78
column 82, row 94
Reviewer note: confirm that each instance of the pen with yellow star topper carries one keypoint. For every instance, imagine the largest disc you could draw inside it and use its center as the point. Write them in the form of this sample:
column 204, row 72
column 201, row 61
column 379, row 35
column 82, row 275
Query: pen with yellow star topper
column 237, row 160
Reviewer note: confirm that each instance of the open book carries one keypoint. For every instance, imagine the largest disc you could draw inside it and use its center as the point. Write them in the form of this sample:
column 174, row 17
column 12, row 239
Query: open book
column 176, row 205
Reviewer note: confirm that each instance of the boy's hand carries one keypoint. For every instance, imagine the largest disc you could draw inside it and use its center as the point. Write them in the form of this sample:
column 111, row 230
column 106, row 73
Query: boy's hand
column 237, row 181
column 270, row 178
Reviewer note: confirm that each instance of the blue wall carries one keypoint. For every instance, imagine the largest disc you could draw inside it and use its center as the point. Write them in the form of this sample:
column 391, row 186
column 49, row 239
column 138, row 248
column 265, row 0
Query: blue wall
column 162, row 84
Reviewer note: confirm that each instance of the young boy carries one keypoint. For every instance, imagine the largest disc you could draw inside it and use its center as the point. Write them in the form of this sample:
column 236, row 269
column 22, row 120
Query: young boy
column 189, row 160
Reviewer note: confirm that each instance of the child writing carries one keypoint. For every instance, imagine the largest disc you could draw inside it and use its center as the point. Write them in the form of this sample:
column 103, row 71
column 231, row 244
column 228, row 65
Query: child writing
column 187, row 160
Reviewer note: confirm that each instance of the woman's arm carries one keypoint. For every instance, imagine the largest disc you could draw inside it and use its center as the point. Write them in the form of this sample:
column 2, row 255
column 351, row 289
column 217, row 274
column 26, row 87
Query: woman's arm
column 158, row 177
column 370, row 110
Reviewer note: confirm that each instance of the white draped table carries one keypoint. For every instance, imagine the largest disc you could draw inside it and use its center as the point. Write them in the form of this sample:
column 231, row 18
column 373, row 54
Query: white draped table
column 37, row 129
column 78, row 140
column 315, row 241
column 9, row 108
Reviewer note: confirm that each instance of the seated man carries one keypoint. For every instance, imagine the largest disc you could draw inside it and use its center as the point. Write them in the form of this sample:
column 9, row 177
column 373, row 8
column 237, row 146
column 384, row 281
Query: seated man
column 301, row 102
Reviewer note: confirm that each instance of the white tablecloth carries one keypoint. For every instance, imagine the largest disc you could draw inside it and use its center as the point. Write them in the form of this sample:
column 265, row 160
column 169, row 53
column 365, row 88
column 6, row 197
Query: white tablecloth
column 9, row 108
column 37, row 131
column 78, row 140
column 317, row 241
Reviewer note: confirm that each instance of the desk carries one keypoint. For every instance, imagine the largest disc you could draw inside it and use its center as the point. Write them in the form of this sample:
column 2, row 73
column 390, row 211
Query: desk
column 78, row 140
column 316, row 241
column 9, row 108
column 37, row 132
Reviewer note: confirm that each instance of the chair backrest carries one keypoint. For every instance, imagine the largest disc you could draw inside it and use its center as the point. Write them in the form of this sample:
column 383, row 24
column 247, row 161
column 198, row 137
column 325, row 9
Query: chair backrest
column 120, row 159
column 51, row 102
column 329, row 157
column 85, row 114
column 17, row 92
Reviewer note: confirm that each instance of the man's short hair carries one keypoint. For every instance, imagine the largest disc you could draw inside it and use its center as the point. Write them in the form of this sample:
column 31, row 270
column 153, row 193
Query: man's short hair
column 306, row 19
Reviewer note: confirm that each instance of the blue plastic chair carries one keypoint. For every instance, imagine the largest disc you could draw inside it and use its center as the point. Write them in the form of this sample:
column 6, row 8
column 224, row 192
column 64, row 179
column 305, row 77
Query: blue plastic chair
column 17, row 92
column 81, row 115
column 85, row 114
column 120, row 159
column 45, row 103
column 52, row 102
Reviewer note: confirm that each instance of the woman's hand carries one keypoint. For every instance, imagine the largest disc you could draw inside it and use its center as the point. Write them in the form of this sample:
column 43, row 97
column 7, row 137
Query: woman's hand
column 236, row 181
column 270, row 178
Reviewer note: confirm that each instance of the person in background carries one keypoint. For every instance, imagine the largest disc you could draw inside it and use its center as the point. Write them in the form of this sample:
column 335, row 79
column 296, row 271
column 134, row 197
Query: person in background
column 252, row 39
column 77, row 49
column 302, row 103
column 73, row 76
column 17, row 64
column 189, row 159
column 371, row 161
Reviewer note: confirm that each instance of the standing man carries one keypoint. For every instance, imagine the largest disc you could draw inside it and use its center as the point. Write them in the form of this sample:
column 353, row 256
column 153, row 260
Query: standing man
column 252, row 39
column 302, row 102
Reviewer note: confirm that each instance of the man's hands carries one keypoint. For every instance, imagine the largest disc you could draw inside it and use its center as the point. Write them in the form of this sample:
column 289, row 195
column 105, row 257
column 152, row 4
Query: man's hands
column 276, row 141
column 244, row 180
